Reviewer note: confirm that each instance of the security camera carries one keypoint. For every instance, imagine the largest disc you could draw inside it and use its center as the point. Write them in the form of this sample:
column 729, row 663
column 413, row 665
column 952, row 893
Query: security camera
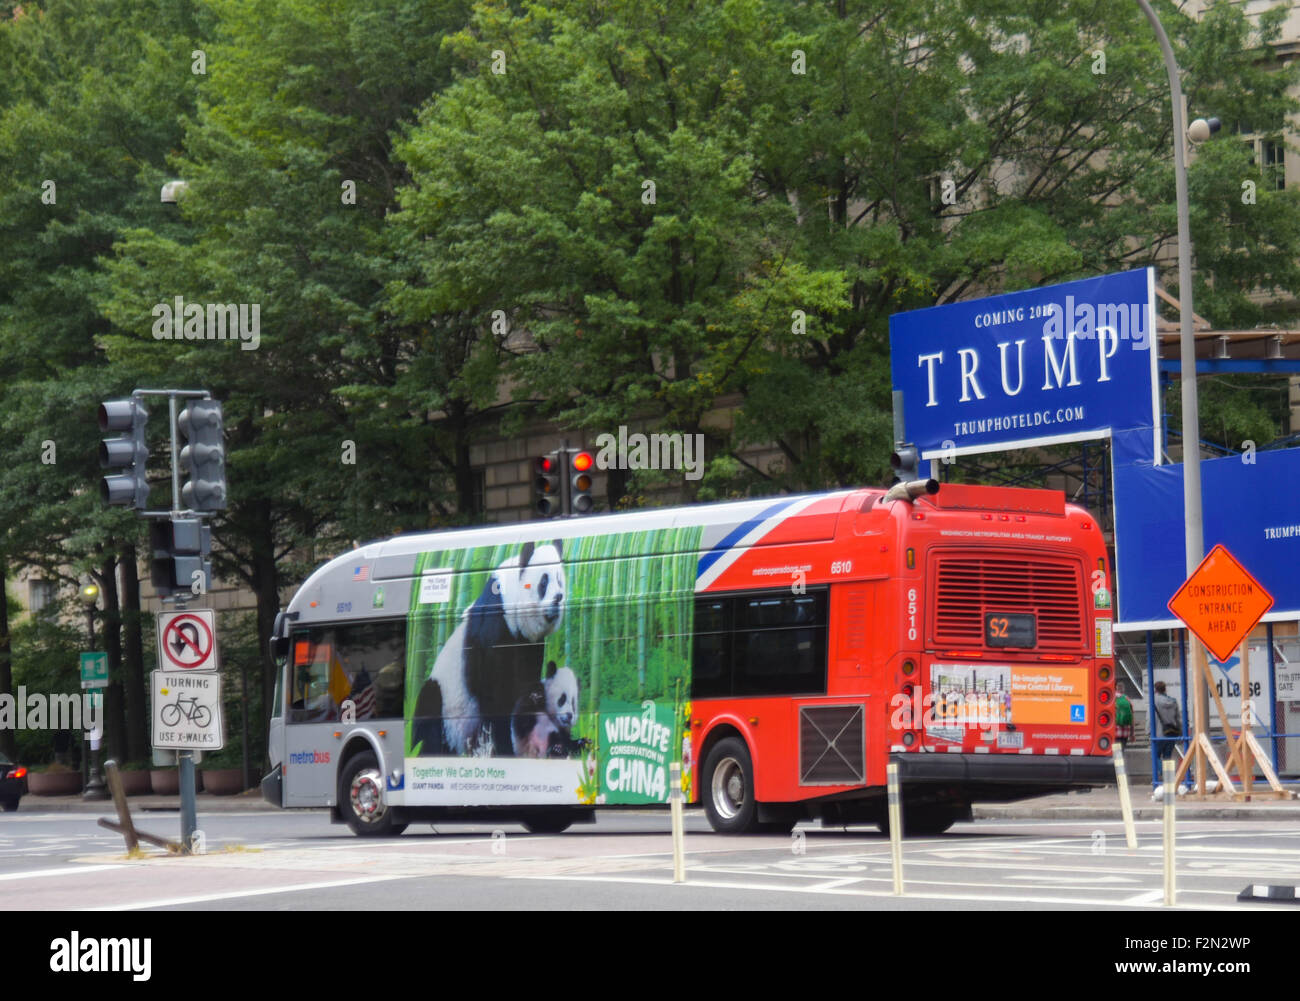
column 172, row 191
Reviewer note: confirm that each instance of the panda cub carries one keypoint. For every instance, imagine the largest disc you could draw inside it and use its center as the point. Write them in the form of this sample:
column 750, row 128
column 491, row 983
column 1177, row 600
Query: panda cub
column 544, row 716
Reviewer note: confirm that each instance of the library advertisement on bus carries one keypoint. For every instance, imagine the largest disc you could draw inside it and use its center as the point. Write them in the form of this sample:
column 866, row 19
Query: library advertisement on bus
column 550, row 672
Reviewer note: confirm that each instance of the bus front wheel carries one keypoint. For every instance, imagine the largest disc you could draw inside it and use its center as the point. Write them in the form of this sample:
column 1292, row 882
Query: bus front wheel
column 362, row 801
column 728, row 790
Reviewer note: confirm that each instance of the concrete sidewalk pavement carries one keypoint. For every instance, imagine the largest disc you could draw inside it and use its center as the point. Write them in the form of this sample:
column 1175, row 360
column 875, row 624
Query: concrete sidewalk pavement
column 1090, row 804
column 1103, row 804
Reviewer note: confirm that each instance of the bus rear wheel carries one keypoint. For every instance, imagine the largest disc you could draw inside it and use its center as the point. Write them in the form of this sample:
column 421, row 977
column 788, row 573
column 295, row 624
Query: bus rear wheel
column 361, row 798
column 728, row 790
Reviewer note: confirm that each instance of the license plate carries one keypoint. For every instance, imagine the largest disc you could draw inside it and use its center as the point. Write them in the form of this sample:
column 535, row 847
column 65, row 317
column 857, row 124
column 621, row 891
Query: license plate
column 1011, row 738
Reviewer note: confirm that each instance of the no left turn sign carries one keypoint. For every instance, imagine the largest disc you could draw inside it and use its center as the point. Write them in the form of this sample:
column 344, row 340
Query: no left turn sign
column 187, row 641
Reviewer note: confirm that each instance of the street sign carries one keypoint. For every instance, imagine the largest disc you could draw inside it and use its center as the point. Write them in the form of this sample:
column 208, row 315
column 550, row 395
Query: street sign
column 187, row 641
column 1221, row 603
column 187, row 711
column 94, row 670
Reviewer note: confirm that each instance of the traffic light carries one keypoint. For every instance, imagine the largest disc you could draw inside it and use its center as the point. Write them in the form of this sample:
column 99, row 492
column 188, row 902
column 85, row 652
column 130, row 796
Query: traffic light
column 180, row 548
column 127, row 451
column 580, row 464
column 907, row 464
column 548, row 500
column 203, row 459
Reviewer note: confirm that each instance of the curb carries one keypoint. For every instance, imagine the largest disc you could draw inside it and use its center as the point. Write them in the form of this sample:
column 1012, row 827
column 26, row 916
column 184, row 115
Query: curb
column 1185, row 812
column 145, row 804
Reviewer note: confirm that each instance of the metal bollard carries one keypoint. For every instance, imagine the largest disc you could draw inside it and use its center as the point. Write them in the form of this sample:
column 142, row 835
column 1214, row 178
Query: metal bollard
column 1125, row 801
column 895, row 826
column 1170, row 798
column 675, row 799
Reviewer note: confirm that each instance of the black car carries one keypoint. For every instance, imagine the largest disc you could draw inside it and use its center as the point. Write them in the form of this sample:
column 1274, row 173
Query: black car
column 13, row 783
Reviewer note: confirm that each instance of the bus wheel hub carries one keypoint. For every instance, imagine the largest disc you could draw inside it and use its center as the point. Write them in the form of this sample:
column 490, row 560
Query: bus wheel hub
column 367, row 796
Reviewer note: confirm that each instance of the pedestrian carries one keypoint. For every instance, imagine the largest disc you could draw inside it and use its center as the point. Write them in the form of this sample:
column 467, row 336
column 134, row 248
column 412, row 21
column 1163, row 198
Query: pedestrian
column 1123, row 716
column 1169, row 718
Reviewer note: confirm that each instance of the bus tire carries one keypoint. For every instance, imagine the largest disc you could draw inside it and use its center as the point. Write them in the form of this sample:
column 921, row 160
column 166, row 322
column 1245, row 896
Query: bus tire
column 547, row 821
column 361, row 798
column 728, row 790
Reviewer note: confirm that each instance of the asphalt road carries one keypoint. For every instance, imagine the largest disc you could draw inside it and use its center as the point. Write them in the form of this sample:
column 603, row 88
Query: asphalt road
column 301, row 862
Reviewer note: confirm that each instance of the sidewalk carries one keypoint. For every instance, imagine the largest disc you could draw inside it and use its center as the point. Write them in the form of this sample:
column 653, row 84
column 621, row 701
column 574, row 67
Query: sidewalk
column 1103, row 804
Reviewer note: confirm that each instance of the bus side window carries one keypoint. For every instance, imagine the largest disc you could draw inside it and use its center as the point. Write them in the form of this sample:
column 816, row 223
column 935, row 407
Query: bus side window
column 711, row 653
column 370, row 671
column 781, row 645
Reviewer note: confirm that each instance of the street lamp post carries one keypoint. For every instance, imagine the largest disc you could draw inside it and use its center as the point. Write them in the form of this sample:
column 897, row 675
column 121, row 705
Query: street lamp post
column 95, row 789
column 1193, row 532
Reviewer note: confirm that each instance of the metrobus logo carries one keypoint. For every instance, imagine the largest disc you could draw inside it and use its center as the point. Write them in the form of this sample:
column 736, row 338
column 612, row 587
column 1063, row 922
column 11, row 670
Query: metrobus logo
column 309, row 758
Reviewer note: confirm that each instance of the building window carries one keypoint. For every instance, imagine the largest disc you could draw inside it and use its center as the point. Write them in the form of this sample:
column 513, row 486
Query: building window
column 480, row 492
column 40, row 596
column 1269, row 155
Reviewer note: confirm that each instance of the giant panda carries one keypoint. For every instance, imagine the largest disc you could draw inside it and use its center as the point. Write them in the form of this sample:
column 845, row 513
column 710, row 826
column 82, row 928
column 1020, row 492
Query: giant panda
column 542, row 723
column 464, row 707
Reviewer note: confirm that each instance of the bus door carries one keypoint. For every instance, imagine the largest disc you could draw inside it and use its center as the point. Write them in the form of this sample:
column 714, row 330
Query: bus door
column 316, row 687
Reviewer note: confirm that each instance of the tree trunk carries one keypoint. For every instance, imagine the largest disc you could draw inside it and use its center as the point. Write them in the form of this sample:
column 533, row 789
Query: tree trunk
column 133, row 673
column 615, row 486
column 8, row 746
column 268, row 605
column 114, row 704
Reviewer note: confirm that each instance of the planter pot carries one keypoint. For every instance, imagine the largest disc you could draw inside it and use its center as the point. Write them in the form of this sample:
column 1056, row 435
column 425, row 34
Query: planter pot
column 223, row 781
column 54, row 783
column 167, row 781
column 136, row 783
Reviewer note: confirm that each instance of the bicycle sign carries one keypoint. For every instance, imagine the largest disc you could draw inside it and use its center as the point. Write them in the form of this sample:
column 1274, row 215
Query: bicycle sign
column 187, row 640
column 187, row 711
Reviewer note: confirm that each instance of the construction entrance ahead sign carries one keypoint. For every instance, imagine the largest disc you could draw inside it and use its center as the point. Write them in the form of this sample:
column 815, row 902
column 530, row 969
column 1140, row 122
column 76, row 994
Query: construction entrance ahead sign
column 1221, row 603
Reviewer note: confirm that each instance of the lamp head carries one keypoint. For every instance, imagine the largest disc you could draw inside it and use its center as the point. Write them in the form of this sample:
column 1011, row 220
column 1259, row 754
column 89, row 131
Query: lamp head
column 1201, row 129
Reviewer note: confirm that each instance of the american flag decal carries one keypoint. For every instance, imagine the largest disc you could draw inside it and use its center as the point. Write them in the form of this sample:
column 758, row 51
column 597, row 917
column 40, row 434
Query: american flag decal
column 363, row 696
column 361, row 573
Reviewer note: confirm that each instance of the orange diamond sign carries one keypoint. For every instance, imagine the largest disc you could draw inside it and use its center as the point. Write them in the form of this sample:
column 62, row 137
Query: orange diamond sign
column 1220, row 602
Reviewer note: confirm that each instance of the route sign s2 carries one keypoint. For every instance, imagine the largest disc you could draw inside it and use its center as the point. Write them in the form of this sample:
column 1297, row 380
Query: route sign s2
column 187, row 641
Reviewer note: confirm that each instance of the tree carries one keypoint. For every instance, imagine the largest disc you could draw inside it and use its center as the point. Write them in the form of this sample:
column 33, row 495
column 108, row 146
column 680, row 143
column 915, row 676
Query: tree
column 91, row 95
column 290, row 176
column 815, row 168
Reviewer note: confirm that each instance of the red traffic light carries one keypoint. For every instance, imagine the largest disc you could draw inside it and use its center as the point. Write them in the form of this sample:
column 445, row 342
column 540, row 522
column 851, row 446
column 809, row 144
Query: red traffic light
column 582, row 461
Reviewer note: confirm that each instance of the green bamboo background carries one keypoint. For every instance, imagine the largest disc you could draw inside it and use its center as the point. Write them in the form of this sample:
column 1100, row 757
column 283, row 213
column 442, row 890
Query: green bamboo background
column 627, row 624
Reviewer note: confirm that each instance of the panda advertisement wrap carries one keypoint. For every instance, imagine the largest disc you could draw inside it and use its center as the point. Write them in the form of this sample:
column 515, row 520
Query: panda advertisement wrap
column 505, row 670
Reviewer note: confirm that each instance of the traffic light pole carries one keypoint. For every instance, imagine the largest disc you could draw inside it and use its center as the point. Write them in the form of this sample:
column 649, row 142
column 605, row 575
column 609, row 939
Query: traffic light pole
column 202, row 422
column 566, row 488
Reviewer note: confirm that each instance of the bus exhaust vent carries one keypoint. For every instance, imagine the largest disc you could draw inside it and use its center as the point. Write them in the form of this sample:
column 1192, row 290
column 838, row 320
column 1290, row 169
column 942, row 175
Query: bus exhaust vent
column 832, row 745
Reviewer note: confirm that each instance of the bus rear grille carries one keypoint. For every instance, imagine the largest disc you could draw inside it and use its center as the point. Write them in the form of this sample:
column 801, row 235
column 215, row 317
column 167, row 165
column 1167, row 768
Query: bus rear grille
column 832, row 745
column 1050, row 590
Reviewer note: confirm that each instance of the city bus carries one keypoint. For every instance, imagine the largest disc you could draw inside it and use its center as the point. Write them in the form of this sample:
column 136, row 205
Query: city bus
column 782, row 651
